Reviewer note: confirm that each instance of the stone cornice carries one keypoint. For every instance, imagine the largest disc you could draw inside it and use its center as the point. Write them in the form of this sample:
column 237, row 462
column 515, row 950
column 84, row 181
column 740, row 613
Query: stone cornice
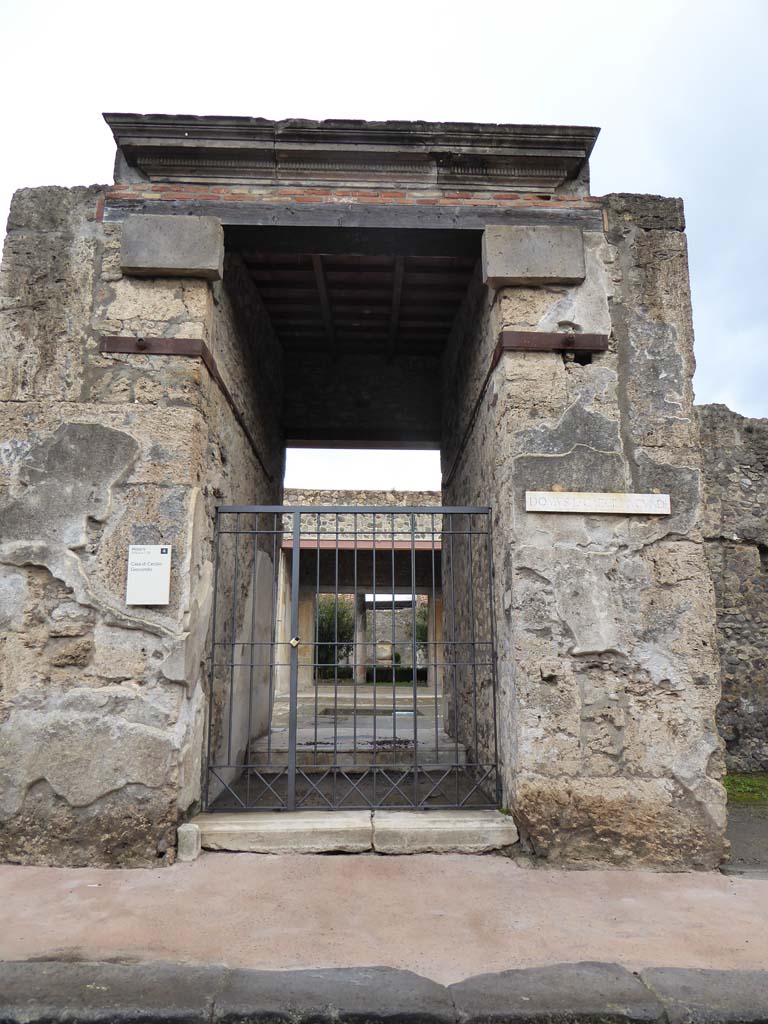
column 233, row 150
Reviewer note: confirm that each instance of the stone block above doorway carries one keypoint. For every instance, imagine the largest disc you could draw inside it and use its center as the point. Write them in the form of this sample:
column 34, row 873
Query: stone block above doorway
column 157, row 245
column 516, row 254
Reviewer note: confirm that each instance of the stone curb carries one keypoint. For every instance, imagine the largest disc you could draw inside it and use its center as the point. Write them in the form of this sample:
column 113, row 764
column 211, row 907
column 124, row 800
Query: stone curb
column 564, row 992
column 49, row 991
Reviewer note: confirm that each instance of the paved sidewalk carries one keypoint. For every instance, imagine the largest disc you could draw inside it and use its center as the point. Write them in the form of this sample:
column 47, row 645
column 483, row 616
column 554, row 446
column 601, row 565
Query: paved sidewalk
column 444, row 917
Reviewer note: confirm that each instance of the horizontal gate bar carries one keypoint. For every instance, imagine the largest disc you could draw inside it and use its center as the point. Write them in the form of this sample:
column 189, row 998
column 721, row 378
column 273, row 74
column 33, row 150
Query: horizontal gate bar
column 364, row 546
column 435, row 510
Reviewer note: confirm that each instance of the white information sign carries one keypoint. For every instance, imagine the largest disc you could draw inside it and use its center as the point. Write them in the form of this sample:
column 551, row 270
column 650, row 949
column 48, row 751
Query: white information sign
column 149, row 574
column 598, row 502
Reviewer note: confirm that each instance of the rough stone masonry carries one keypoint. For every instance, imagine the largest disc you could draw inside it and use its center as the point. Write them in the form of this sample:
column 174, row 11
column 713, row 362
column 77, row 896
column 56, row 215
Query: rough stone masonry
column 143, row 382
column 736, row 533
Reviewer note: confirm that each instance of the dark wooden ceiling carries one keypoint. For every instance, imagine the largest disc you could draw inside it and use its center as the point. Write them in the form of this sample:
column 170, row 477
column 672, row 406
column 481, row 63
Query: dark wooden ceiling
column 353, row 292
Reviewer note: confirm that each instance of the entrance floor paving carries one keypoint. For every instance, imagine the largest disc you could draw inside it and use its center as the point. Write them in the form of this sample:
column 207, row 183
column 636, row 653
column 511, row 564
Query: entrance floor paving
column 748, row 836
column 445, row 917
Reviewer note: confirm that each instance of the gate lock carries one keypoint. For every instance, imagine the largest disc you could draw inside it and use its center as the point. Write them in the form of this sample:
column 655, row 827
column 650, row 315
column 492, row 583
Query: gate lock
column 294, row 641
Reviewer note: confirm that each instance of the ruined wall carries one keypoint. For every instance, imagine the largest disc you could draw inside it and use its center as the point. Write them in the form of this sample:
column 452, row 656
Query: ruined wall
column 381, row 526
column 314, row 496
column 736, row 531
column 103, row 705
column 608, row 673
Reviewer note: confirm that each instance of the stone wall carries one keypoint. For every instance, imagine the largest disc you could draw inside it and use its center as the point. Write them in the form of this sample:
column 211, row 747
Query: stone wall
column 103, row 705
column 465, row 368
column 382, row 527
column 736, row 531
column 314, row 496
column 608, row 675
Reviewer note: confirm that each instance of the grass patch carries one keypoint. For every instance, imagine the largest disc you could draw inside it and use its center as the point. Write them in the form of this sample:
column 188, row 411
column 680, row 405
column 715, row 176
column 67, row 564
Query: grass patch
column 747, row 787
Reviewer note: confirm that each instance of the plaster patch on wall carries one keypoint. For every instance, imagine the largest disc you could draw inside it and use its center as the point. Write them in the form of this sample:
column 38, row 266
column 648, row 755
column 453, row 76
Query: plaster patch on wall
column 62, row 482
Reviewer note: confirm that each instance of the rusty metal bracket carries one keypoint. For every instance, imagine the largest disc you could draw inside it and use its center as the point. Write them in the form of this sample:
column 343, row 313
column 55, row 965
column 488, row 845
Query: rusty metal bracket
column 139, row 345
column 193, row 348
column 550, row 341
column 526, row 341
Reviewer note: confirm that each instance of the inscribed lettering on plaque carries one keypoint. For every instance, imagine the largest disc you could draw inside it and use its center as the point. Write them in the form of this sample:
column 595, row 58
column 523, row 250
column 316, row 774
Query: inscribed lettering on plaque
column 596, row 502
column 149, row 574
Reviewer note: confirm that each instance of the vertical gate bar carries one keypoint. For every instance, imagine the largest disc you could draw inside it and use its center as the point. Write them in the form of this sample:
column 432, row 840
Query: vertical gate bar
column 375, row 648
column 394, row 646
column 472, row 637
column 316, row 649
column 294, row 692
column 335, row 664
column 494, row 678
column 413, row 665
column 255, row 536
column 453, row 658
column 212, row 675
column 356, row 648
column 232, row 638
column 432, row 648
column 273, row 633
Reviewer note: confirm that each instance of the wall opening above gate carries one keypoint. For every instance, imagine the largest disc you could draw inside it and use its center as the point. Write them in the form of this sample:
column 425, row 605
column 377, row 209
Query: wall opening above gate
column 363, row 317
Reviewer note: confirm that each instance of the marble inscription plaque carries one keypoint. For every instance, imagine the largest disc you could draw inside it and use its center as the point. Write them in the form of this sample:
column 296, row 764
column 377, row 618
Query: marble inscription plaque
column 596, row 502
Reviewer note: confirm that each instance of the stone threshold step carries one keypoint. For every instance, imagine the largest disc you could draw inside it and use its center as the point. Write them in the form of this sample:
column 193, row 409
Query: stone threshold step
column 390, row 832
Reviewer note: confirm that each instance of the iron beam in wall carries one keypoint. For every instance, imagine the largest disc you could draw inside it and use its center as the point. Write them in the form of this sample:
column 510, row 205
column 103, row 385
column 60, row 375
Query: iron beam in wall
column 193, row 348
column 549, row 341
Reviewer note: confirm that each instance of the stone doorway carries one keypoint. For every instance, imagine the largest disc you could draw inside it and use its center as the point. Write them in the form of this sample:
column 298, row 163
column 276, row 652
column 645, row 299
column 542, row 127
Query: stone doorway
column 249, row 284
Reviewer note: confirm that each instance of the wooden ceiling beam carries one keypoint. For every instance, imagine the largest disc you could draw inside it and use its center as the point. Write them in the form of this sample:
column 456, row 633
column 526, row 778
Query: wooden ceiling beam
column 317, row 263
column 397, row 294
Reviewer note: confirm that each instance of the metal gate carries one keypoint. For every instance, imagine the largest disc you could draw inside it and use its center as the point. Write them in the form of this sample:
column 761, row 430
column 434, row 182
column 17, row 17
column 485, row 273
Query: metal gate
column 352, row 660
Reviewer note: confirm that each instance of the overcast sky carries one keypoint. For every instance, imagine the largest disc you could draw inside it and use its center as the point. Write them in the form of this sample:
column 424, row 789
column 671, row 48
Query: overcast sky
column 679, row 88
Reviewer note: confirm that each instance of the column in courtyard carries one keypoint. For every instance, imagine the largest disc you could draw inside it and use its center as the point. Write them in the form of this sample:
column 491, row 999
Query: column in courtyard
column 360, row 650
column 308, row 669
column 282, row 649
column 434, row 643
